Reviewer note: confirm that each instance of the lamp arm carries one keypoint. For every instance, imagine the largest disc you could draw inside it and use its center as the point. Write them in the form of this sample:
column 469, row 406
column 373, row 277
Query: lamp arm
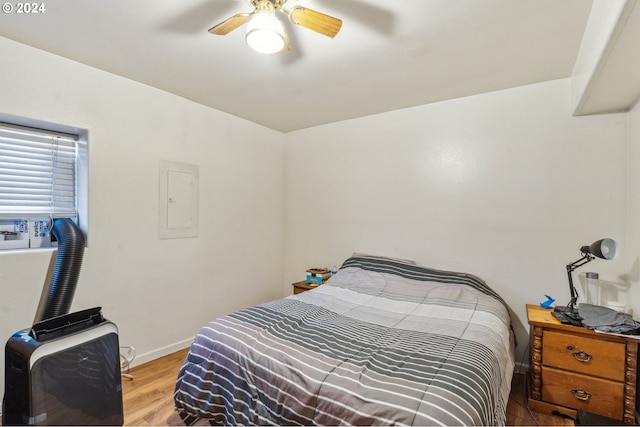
column 586, row 257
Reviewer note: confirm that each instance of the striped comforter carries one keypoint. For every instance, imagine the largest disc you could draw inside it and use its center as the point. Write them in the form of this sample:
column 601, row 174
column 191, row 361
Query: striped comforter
column 382, row 342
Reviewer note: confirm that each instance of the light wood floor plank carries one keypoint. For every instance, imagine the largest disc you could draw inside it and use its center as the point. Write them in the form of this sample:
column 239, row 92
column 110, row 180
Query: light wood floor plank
column 148, row 398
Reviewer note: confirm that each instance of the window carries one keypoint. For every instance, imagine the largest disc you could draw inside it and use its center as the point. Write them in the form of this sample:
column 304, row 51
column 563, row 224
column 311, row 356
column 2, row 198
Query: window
column 42, row 177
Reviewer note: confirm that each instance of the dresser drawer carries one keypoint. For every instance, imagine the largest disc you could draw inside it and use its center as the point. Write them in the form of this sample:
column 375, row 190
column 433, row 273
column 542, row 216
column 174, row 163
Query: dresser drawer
column 596, row 395
column 585, row 355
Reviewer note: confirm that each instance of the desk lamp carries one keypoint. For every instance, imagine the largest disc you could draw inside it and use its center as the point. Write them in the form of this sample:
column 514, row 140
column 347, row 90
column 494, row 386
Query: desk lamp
column 603, row 248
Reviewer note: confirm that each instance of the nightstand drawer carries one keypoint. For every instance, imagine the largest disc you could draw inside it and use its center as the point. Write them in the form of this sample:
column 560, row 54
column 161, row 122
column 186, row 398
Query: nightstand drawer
column 596, row 395
column 585, row 355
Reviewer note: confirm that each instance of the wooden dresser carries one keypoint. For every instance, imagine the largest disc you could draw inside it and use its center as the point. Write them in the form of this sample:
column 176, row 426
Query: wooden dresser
column 573, row 368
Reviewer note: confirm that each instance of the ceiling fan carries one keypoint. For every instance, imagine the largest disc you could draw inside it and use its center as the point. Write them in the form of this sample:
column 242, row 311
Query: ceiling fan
column 265, row 32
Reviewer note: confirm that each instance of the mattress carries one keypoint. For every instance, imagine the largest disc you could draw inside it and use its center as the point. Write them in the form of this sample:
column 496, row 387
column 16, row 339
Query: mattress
column 383, row 342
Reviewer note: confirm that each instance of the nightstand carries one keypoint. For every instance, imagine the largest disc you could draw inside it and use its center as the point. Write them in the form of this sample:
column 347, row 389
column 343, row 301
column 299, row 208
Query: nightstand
column 574, row 368
column 303, row 286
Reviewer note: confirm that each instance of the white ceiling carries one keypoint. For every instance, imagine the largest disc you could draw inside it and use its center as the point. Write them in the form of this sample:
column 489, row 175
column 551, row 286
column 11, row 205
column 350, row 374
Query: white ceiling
column 389, row 54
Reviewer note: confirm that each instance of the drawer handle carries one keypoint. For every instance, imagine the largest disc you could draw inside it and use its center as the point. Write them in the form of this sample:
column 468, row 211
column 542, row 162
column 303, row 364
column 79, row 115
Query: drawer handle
column 580, row 394
column 581, row 356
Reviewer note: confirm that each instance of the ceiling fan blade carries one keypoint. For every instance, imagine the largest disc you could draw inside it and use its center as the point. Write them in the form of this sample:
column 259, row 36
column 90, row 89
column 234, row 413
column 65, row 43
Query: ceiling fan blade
column 315, row 21
column 230, row 24
column 287, row 43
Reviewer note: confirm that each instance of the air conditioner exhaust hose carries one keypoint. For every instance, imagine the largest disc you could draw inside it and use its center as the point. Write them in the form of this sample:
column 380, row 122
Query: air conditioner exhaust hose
column 57, row 297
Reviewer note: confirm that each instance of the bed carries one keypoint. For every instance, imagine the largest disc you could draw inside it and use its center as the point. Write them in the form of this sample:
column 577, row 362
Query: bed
column 382, row 342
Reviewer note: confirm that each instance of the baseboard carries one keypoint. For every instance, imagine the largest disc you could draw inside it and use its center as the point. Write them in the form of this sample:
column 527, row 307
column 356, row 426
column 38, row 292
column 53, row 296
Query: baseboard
column 160, row 352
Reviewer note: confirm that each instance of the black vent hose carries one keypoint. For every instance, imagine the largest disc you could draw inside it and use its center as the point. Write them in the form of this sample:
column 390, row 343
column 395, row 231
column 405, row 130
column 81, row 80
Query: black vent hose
column 57, row 299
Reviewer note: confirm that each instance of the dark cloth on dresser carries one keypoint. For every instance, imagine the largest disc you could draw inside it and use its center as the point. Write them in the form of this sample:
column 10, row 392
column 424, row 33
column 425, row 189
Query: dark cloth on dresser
column 604, row 319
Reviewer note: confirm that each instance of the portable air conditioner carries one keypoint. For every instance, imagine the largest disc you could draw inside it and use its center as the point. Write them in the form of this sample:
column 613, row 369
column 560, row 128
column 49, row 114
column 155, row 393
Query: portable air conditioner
column 64, row 371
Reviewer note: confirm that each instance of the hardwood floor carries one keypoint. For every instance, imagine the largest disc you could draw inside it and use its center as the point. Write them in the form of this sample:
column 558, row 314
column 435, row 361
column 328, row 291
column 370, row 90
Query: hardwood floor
column 148, row 398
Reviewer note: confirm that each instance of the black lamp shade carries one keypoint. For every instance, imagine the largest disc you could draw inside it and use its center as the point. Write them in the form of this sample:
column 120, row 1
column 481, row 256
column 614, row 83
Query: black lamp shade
column 603, row 248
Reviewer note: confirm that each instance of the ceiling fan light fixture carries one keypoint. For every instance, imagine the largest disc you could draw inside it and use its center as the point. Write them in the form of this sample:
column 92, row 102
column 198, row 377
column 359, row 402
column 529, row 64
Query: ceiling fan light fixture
column 265, row 32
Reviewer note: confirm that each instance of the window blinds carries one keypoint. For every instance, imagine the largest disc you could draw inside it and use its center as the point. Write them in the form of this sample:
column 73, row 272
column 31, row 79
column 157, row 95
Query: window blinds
column 37, row 173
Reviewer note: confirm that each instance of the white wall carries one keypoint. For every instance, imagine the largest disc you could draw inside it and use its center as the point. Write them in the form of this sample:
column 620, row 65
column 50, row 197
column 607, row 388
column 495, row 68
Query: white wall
column 506, row 185
column 632, row 250
column 158, row 292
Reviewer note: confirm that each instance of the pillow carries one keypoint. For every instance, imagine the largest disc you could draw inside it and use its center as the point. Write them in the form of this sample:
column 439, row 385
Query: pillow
column 406, row 261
